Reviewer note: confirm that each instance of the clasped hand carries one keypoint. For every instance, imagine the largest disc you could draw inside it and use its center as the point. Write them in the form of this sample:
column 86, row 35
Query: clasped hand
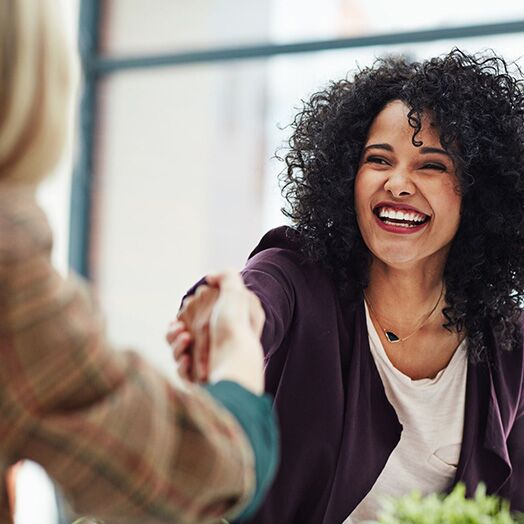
column 216, row 335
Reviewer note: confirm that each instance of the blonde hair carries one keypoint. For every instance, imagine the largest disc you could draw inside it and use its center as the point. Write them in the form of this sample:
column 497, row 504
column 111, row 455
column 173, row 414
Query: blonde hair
column 37, row 73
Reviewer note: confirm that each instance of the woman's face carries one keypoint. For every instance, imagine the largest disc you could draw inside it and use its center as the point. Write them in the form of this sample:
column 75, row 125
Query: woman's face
column 406, row 197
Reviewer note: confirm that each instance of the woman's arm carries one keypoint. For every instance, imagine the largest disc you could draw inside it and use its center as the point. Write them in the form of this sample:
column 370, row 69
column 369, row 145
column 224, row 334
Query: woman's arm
column 122, row 442
column 269, row 274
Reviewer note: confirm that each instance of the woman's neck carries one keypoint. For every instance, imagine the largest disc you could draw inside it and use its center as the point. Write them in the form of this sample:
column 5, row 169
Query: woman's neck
column 403, row 296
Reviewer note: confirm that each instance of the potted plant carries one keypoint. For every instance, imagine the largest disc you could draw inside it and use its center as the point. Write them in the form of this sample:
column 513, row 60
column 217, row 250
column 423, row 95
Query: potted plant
column 454, row 508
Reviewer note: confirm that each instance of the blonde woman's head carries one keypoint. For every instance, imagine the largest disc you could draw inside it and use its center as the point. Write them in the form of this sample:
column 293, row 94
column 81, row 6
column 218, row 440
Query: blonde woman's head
column 36, row 80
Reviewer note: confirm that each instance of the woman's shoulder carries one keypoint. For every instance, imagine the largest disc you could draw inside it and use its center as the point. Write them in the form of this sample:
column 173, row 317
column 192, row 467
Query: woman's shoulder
column 278, row 248
column 283, row 239
column 24, row 229
column 279, row 251
column 279, row 260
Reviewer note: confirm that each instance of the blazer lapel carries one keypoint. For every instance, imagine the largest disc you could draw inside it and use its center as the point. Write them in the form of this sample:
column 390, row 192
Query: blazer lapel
column 484, row 456
column 495, row 442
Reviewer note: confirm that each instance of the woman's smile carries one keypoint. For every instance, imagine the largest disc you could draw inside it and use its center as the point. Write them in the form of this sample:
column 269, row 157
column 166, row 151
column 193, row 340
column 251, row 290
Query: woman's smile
column 401, row 219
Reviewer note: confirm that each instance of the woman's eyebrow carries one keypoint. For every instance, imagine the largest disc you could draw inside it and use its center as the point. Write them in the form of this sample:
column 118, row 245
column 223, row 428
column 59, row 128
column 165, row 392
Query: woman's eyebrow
column 427, row 150
column 386, row 147
column 423, row 150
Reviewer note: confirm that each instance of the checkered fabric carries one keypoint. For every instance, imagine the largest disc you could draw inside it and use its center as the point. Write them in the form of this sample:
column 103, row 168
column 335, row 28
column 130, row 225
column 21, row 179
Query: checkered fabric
column 124, row 444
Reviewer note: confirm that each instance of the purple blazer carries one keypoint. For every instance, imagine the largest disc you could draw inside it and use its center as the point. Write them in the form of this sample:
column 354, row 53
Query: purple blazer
column 337, row 426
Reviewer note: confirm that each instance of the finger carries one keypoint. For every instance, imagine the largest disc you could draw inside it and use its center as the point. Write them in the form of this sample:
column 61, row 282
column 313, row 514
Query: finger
column 187, row 306
column 184, row 368
column 201, row 290
column 200, row 353
column 192, row 305
column 174, row 329
column 181, row 345
column 203, row 363
column 183, row 311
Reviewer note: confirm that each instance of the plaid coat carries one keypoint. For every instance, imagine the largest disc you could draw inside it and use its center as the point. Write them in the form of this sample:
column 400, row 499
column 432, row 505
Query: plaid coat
column 124, row 445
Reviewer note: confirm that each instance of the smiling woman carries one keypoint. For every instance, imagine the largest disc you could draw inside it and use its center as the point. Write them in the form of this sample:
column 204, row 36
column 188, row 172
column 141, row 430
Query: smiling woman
column 393, row 333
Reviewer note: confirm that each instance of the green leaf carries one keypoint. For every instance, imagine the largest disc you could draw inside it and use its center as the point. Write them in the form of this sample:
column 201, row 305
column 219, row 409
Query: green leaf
column 454, row 508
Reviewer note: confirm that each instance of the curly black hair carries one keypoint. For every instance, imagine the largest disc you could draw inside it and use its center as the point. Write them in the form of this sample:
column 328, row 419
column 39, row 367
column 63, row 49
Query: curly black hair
column 477, row 104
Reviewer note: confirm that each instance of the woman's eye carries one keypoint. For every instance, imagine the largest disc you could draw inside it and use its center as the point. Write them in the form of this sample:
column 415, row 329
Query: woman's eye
column 435, row 166
column 377, row 160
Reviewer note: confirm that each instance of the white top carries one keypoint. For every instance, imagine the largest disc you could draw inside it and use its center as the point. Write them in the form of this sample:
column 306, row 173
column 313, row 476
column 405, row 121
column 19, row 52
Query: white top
column 431, row 412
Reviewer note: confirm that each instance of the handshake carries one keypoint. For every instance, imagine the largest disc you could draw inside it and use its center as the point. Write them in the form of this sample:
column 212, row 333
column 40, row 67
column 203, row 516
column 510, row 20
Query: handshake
column 216, row 335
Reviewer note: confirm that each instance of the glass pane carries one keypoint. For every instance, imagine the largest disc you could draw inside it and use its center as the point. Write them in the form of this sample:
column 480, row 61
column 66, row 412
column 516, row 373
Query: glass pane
column 295, row 20
column 143, row 27
column 138, row 27
column 179, row 191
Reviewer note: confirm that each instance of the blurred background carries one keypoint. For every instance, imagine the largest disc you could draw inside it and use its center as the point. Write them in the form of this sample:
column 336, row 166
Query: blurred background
column 171, row 170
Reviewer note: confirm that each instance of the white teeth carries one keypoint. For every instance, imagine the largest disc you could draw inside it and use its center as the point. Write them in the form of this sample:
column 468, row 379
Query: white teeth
column 399, row 224
column 409, row 216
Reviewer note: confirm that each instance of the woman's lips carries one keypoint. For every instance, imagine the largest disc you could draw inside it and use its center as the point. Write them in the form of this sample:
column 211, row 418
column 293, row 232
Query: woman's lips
column 400, row 218
column 402, row 230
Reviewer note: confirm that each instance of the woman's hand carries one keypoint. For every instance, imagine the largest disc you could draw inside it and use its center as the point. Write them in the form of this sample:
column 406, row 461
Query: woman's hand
column 179, row 338
column 217, row 334
column 188, row 336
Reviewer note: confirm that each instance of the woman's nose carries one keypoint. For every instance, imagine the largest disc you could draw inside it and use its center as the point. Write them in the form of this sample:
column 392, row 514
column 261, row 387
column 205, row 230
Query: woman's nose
column 399, row 183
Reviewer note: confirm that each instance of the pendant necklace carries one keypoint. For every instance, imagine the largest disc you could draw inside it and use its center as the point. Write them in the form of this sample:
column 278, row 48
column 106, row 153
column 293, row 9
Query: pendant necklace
column 391, row 336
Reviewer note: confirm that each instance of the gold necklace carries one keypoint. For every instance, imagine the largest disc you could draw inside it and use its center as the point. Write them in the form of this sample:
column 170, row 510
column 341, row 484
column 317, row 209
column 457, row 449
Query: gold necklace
column 390, row 335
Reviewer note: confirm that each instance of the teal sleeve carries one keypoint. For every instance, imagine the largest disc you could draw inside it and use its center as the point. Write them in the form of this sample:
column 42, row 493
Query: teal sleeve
column 255, row 414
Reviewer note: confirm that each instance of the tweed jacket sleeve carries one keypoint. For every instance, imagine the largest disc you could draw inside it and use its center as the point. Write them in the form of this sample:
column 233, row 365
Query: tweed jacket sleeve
column 124, row 444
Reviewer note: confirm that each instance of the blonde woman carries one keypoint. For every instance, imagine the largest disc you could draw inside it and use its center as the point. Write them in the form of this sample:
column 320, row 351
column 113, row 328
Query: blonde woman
column 118, row 438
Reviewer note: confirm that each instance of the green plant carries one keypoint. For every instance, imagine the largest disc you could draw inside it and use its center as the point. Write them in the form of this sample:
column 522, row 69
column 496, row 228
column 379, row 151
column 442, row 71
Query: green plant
column 454, row 508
